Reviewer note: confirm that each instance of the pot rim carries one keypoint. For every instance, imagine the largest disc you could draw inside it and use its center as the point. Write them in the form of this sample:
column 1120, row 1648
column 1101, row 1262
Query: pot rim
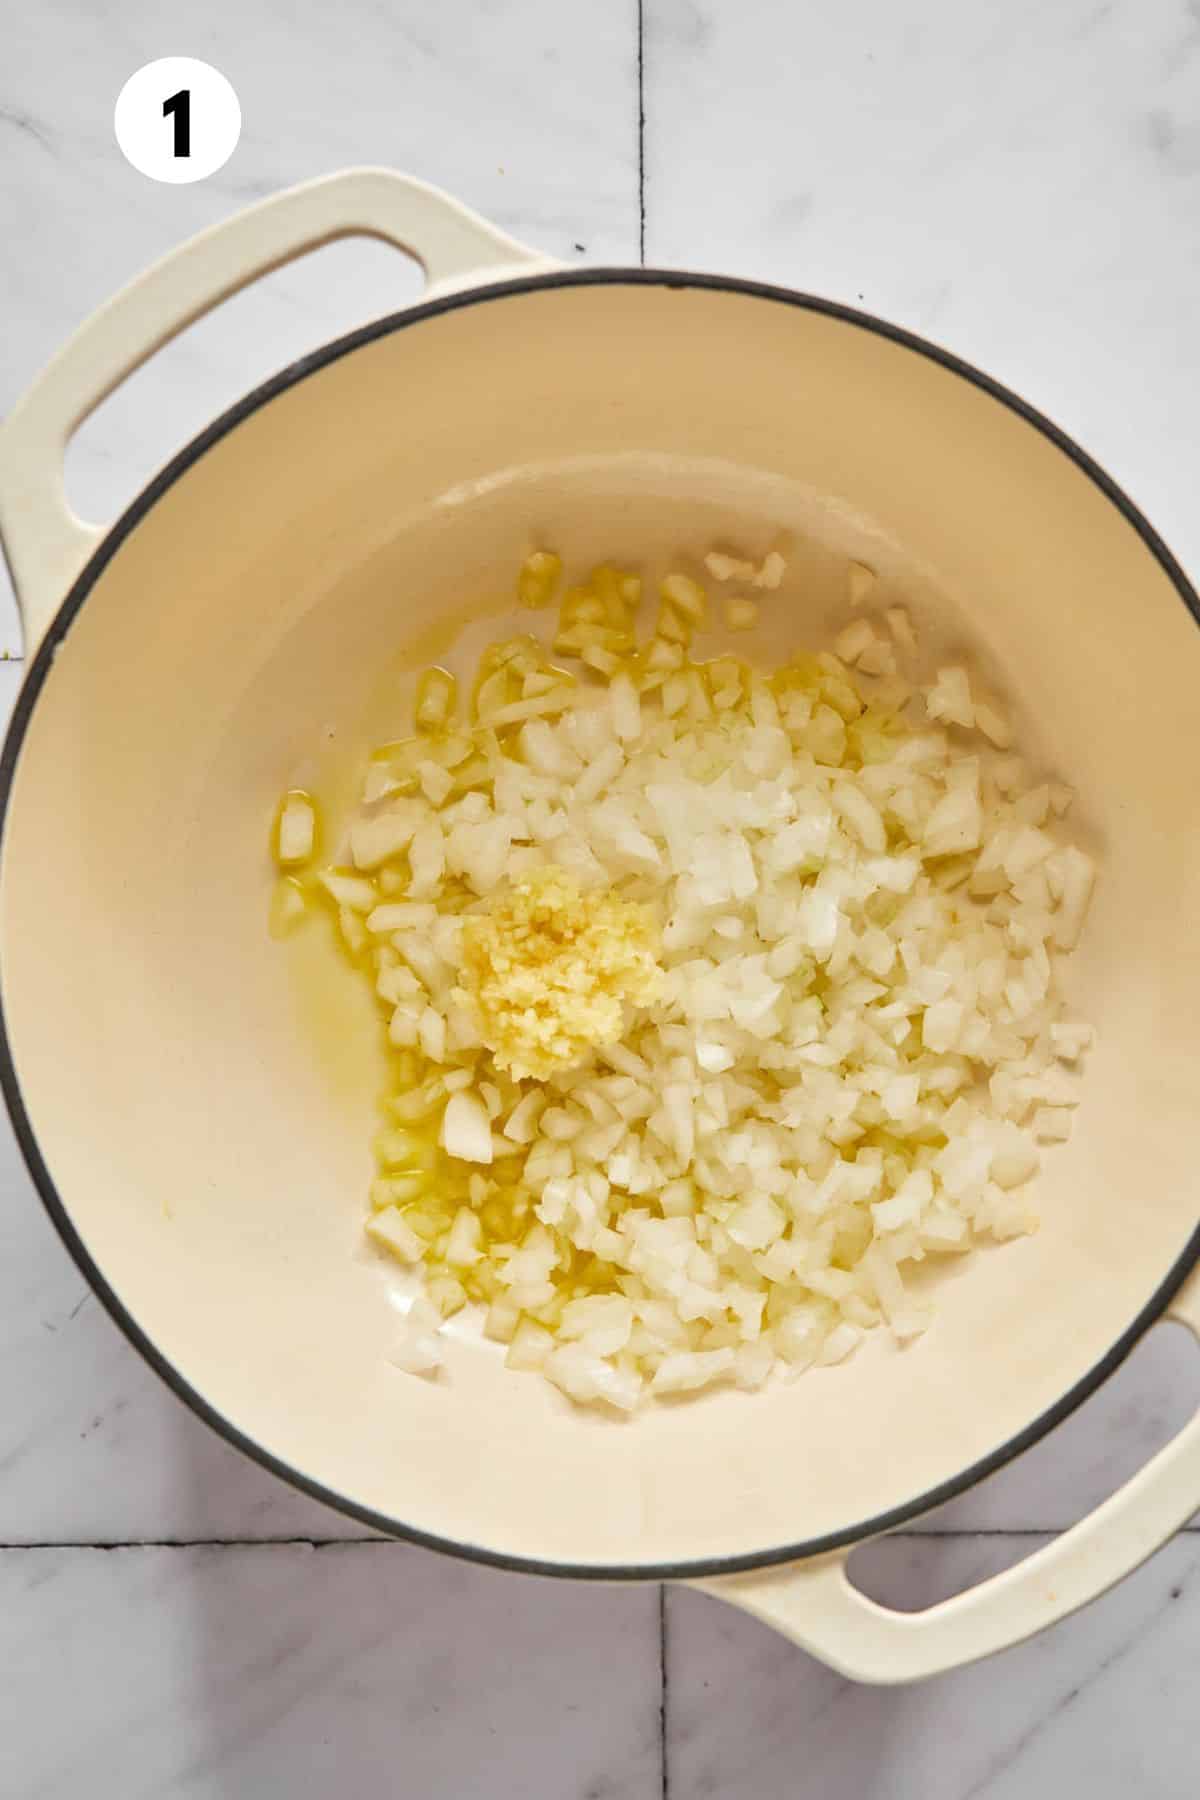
column 687, row 1569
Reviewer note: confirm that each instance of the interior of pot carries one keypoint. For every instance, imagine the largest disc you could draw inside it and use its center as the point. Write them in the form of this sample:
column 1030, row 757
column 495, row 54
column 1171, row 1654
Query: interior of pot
column 203, row 1099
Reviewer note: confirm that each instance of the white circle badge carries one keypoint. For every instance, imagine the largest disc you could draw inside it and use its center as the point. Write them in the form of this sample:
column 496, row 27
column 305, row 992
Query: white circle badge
column 177, row 119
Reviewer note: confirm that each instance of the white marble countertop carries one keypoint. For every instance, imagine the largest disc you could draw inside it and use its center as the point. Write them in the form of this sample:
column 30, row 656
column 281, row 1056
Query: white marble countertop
column 1021, row 183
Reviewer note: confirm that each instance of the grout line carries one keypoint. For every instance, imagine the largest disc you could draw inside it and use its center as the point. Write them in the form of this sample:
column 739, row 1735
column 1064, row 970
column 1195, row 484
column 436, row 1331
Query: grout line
column 665, row 1781
column 1003, row 1531
column 215, row 1543
column 931, row 1533
column 641, row 89
column 958, row 1535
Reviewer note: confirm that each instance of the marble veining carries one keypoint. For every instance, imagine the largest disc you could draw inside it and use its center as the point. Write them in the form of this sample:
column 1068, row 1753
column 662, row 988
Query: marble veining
column 1023, row 184
column 356, row 1669
column 1098, row 1705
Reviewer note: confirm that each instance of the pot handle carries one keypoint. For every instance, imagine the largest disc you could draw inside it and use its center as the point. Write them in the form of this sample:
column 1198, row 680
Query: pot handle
column 816, row 1605
column 45, row 544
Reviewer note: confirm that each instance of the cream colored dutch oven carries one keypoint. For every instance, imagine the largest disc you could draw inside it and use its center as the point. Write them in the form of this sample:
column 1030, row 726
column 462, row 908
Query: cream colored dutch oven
column 205, row 1170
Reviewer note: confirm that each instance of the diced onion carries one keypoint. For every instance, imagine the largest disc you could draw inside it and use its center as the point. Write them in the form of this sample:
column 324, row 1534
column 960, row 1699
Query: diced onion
column 717, row 1000
column 466, row 1129
column 296, row 831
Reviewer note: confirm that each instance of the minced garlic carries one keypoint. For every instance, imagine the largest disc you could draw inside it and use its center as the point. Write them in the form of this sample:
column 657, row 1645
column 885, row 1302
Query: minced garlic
column 547, row 970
